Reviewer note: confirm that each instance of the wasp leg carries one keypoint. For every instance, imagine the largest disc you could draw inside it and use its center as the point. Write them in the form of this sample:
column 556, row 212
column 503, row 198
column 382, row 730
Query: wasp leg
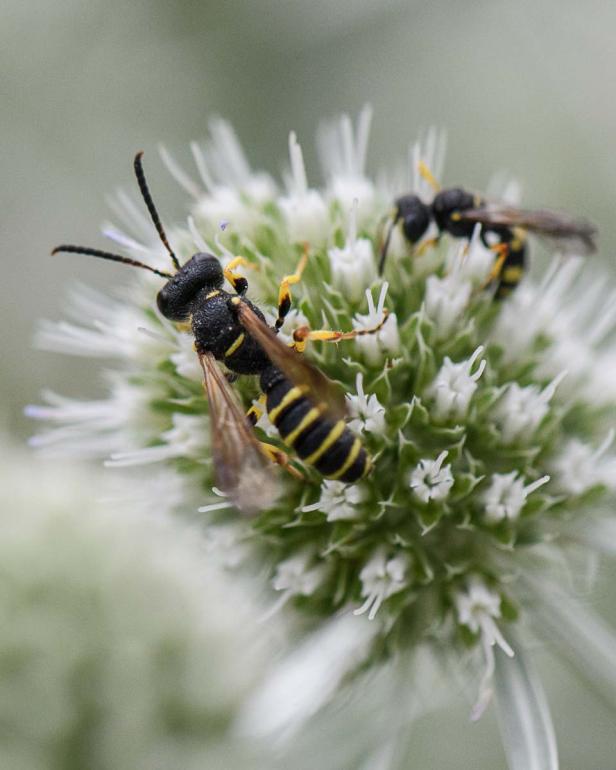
column 280, row 458
column 425, row 172
column 284, row 293
column 304, row 334
column 502, row 252
column 239, row 283
column 429, row 243
column 256, row 410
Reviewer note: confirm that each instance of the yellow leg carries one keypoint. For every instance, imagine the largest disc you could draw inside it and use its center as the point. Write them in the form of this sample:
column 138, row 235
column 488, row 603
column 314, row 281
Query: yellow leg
column 239, row 283
column 280, row 458
column 501, row 251
column 425, row 245
column 425, row 172
column 256, row 410
column 284, row 293
column 303, row 335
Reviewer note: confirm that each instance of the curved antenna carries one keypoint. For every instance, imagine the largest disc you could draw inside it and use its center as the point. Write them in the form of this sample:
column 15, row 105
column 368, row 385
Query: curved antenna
column 69, row 249
column 393, row 222
column 145, row 192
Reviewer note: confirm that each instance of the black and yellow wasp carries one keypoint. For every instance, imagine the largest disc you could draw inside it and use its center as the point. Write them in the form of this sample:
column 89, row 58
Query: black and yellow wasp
column 304, row 405
column 503, row 228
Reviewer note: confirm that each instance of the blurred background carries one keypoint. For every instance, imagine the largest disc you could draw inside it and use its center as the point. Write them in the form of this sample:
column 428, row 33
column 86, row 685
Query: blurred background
column 523, row 87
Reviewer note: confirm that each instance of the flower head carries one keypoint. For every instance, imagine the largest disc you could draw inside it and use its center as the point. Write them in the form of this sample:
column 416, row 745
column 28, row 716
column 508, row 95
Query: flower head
column 484, row 454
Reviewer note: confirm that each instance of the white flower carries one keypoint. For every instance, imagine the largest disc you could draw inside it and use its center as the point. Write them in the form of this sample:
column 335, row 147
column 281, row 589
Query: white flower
column 226, row 544
column 338, row 500
column 506, row 495
column 368, row 412
column 353, row 267
column 296, row 576
column 454, row 386
column 428, row 151
column 119, row 605
column 343, row 158
column 234, row 193
column 184, row 359
column 380, row 578
column 303, row 209
column 579, row 466
column 521, row 410
column 364, row 539
column 96, row 428
column 445, row 301
column 187, row 438
column 471, row 261
column 477, row 609
column 430, row 480
column 102, row 327
column 386, row 340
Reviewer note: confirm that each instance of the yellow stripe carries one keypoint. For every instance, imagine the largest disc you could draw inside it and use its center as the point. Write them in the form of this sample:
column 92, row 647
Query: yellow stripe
column 367, row 466
column 290, row 397
column 331, row 437
column 512, row 274
column 234, row 345
column 214, row 293
column 312, row 415
column 352, row 456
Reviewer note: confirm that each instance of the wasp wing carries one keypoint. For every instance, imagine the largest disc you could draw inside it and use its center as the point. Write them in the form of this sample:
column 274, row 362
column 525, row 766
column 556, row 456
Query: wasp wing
column 293, row 365
column 573, row 236
column 241, row 470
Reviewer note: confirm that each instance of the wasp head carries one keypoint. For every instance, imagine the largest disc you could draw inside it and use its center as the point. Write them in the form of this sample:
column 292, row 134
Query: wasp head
column 175, row 299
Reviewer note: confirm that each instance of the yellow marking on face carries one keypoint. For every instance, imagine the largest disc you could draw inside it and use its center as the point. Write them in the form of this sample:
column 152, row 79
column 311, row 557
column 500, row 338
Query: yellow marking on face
column 214, row 293
column 289, row 398
column 235, row 345
column 331, row 437
column 235, row 300
column 352, row 456
column 456, row 216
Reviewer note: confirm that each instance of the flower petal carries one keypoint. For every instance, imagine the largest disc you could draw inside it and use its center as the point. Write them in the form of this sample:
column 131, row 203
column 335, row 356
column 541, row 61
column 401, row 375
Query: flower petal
column 523, row 714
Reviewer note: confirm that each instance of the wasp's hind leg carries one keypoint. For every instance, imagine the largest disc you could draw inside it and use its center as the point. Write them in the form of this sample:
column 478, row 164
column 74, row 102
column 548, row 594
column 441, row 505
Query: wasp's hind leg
column 281, row 458
column 284, row 293
column 304, row 334
column 271, row 451
column 501, row 251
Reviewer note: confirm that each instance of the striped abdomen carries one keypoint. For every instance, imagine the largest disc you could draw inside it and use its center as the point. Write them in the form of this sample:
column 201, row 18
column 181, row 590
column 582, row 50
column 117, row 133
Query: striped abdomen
column 317, row 440
column 514, row 266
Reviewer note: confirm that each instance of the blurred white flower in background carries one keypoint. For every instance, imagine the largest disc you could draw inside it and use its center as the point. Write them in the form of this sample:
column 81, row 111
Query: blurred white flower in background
column 116, row 644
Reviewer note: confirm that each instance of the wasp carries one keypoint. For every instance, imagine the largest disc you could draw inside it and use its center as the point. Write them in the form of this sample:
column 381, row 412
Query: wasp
column 306, row 407
column 503, row 229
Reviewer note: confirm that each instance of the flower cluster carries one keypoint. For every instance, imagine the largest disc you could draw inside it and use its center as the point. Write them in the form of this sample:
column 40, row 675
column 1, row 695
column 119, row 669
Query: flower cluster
column 489, row 422
column 117, row 644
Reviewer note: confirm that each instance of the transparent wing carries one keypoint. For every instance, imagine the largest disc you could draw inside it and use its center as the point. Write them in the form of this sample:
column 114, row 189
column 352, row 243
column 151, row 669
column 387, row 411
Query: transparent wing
column 242, row 471
column 294, row 365
column 573, row 236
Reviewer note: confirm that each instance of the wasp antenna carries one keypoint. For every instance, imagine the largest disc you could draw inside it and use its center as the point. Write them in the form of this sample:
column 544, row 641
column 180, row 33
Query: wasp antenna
column 147, row 197
column 385, row 248
column 69, row 249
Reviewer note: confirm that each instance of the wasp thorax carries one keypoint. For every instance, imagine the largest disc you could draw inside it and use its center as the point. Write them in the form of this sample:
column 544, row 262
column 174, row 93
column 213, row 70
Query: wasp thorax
column 444, row 207
column 201, row 271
